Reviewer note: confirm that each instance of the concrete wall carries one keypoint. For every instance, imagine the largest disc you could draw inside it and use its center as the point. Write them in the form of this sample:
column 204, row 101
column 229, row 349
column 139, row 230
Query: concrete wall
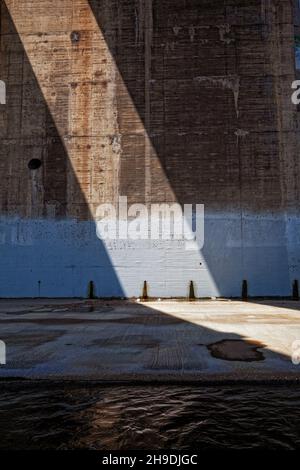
column 160, row 101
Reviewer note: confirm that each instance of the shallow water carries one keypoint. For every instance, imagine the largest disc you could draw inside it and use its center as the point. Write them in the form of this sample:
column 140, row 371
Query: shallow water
column 148, row 417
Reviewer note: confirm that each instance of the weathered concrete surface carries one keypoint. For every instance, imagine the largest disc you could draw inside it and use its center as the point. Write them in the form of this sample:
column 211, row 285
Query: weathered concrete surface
column 159, row 100
column 46, row 258
column 155, row 341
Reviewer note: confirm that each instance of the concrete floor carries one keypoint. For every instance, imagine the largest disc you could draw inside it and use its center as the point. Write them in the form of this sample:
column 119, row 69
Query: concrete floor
column 153, row 341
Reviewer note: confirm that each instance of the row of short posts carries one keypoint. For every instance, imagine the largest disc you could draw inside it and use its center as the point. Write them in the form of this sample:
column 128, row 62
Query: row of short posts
column 91, row 294
column 245, row 291
column 192, row 296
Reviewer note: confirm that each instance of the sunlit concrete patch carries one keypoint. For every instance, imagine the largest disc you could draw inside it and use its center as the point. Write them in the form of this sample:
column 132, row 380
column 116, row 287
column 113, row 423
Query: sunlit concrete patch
column 153, row 341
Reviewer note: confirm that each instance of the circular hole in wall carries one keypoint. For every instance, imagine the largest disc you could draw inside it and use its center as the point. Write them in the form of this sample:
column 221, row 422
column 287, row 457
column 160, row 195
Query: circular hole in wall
column 34, row 164
column 75, row 37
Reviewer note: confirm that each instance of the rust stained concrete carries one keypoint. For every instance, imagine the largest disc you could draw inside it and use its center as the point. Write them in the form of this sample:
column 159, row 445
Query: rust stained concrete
column 156, row 100
column 72, row 85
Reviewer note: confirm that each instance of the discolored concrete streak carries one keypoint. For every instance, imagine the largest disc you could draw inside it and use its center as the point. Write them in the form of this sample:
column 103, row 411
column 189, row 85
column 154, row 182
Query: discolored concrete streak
column 153, row 341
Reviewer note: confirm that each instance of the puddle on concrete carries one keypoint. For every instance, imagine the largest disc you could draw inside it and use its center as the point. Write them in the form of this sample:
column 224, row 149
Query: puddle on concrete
column 237, row 350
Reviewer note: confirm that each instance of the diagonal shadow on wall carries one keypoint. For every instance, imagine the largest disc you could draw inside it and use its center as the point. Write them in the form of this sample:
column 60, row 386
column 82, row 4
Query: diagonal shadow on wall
column 179, row 63
column 210, row 116
column 36, row 203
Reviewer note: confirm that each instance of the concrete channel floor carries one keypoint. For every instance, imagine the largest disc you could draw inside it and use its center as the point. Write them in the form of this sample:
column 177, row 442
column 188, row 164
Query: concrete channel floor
column 128, row 341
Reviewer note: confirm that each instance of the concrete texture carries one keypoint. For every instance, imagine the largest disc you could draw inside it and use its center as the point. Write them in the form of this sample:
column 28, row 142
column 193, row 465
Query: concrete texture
column 159, row 101
column 46, row 258
column 153, row 341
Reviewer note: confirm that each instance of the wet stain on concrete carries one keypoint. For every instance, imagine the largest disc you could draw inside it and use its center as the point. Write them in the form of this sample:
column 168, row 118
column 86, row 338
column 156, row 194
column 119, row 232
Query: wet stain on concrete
column 237, row 350
column 144, row 341
column 151, row 320
column 31, row 339
column 118, row 318
column 73, row 308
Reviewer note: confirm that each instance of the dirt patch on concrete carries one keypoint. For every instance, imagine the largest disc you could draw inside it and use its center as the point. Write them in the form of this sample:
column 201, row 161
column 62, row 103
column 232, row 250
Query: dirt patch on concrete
column 237, row 350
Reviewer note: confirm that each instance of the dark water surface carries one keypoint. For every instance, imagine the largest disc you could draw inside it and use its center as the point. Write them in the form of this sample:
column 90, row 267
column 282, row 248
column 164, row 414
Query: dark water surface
column 148, row 417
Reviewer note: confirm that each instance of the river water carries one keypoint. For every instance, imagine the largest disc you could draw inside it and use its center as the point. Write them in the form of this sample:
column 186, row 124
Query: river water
column 148, row 417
